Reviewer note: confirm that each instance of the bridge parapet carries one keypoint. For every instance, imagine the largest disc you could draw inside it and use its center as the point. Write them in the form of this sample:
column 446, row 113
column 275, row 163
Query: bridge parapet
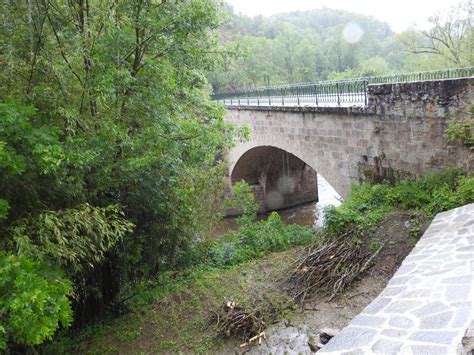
column 340, row 93
column 422, row 99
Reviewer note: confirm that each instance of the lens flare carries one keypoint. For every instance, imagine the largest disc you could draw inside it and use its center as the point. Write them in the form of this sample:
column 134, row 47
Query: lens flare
column 352, row 33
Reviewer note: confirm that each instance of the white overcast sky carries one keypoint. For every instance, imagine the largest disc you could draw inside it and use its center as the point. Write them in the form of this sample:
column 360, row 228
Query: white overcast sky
column 399, row 14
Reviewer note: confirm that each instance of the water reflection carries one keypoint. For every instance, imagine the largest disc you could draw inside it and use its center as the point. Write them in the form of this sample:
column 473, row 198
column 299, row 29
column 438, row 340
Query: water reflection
column 308, row 214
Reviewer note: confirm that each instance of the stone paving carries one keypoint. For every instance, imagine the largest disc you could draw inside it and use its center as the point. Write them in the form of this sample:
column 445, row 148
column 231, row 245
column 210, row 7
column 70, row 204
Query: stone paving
column 427, row 307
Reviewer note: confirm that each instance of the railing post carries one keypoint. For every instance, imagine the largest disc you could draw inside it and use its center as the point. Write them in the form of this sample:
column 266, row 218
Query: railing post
column 248, row 101
column 316, row 94
column 365, row 92
column 231, row 101
column 269, row 98
column 337, row 93
column 298, row 95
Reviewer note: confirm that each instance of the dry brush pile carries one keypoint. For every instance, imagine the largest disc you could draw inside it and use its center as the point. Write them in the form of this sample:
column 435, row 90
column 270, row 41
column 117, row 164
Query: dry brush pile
column 328, row 267
column 245, row 322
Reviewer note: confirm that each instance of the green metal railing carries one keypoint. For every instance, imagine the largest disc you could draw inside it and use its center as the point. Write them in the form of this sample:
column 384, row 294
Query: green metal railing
column 329, row 93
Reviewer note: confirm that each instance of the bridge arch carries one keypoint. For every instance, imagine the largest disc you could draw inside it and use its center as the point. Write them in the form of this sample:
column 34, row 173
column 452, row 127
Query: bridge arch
column 321, row 162
column 279, row 178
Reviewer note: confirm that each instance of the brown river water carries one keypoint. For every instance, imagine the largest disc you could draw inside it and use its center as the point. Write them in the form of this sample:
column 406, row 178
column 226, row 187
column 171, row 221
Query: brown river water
column 308, row 214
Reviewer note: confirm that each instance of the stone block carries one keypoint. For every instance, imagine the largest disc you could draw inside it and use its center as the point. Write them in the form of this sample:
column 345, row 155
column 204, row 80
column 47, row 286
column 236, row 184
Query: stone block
column 436, row 337
column 401, row 322
column 350, row 338
column 438, row 321
column 387, row 347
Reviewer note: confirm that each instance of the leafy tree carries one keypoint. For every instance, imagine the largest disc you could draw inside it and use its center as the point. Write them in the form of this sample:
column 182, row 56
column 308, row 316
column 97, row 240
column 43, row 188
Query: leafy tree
column 33, row 301
column 243, row 200
column 105, row 123
column 450, row 36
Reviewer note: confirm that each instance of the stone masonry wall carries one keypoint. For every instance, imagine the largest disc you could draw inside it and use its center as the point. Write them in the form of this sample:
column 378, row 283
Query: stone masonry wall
column 400, row 133
column 428, row 305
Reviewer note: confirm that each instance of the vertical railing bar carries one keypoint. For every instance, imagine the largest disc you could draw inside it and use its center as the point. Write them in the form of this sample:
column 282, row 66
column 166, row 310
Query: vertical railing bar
column 316, row 94
column 365, row 93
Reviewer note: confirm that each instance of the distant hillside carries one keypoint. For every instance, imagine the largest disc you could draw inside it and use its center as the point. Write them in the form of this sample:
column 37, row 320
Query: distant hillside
column 308, row 46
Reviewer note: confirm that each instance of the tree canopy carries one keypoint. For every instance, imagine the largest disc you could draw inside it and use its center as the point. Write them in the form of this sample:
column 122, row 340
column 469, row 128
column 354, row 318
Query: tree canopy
column 334, row 44
column 108, row 141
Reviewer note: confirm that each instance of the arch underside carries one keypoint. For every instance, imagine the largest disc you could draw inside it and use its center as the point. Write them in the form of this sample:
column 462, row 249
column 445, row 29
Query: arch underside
column 279, row 179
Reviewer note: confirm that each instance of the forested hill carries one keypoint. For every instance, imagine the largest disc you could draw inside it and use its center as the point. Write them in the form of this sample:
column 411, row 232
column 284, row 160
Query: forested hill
column 314, row 45
column 317, row 21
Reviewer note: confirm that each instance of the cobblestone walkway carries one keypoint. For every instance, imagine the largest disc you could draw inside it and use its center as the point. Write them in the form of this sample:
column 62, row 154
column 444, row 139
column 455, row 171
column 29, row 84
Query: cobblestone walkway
column 427, row 306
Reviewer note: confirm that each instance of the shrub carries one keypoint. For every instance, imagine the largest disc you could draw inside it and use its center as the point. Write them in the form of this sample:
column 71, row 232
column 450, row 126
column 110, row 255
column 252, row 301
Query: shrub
column 33, row 301
column 366, row 204
column 256, row 240
column 75, row 238
column 465, row 191
column 243, row 200
column 461, row 132
column 250, row 241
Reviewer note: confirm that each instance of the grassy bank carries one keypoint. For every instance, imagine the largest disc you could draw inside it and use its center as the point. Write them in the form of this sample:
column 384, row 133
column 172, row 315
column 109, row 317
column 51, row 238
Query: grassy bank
column 174, row 312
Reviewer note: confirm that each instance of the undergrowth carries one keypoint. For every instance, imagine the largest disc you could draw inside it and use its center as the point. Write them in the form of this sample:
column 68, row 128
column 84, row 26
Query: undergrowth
column 250, row 241
column 169, row 313
column 209, row 275
column 367, row 204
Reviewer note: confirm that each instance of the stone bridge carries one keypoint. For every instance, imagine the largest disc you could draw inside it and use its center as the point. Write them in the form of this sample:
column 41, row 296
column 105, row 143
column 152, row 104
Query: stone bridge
column 399, row 133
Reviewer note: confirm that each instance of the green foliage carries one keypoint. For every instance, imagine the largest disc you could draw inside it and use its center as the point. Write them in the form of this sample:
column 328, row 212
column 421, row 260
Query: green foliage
column 465, row 190
column 256, row 240
column 101, row 106
column 415, row 228
column 461, row 132
column 300, row 47
column 431, row 193
column 243, row 200
column 33, row 301
column 75, row 239
column 250, row 241
column 366, row 204
column 364, row 207
column 4, row 207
